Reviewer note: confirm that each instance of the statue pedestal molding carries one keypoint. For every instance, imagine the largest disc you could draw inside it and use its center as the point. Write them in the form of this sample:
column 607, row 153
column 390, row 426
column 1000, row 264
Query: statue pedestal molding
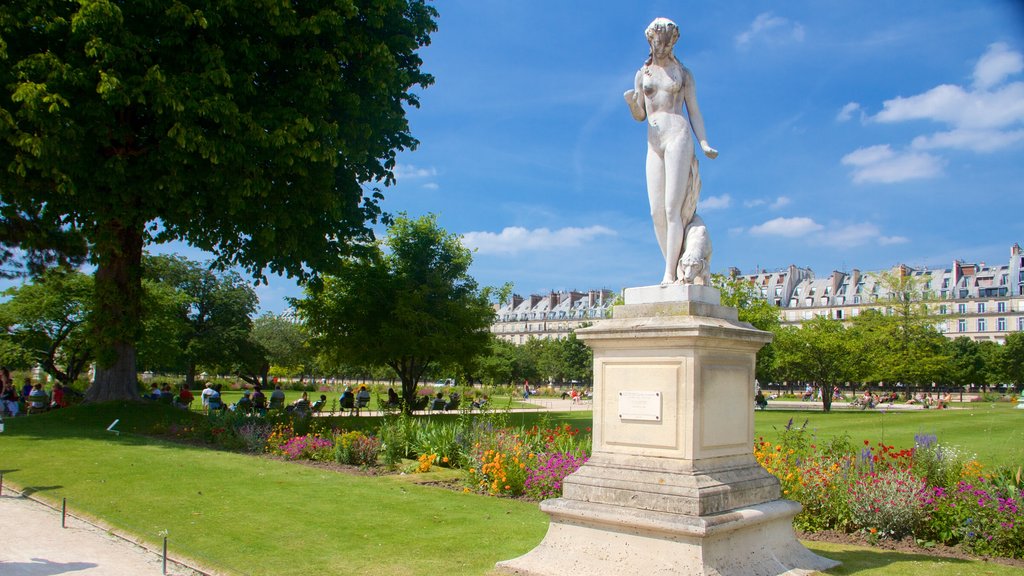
column 672, row 486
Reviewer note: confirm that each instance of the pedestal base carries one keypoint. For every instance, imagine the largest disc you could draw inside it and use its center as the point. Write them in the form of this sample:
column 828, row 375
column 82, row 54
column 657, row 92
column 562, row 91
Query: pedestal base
column 592, row 539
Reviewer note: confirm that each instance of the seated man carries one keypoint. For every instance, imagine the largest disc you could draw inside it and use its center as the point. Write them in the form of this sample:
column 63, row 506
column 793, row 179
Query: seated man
column 453, row 402
column 348, row 399
column 438, row 403
column 363, row 397
column 185, row 397
column 244, row 403
column 37, row 400
column 480, row 402
column 276, row 398
column 760, row 401
column 319, row 404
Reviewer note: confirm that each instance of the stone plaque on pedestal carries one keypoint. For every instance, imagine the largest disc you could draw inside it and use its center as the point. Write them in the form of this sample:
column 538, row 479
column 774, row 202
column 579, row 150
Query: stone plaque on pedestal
column 672, row 486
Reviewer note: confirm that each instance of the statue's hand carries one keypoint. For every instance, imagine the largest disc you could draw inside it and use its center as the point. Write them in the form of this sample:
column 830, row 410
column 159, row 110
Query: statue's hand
column 708, row 150
column 636, row 106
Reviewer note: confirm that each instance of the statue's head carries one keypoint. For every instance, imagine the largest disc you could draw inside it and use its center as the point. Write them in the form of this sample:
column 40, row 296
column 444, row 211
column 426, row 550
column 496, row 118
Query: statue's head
column 691, row 269
column 663, row 28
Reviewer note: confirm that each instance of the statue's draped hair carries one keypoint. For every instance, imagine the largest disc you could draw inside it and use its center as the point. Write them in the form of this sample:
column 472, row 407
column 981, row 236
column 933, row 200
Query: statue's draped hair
column 660, row 25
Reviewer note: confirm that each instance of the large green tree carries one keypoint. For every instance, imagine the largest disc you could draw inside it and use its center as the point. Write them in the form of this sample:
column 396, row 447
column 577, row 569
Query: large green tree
column 214, row 309
column 48, row 319
column 817, row 351
column 275, row 342
column 248, row 128
column 407, row 304
column 751, row 308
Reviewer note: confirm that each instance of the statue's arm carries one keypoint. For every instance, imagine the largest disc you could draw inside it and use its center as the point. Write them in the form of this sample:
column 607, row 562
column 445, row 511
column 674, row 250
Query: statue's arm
column 635, row 99
column 693, row 111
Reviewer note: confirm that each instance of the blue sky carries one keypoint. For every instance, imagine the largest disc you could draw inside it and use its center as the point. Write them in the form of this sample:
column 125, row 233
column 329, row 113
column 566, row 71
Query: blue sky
column 851, row 135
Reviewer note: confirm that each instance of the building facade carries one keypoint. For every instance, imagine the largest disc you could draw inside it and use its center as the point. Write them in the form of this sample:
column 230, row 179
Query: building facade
column 550, row 316
column 978, row 301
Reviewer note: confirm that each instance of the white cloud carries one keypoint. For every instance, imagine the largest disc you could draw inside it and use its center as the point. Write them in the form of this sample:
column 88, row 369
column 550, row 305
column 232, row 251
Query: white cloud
column 775, row 204
column 890, row 240
column 996, row 65
column 431, row 186
column 412, row 172
column 967, row 139
column 786, row 227
column 952, row 105
column 770, row 29
column 880, row 164
column 850, row 235
column 516, row 239
column 847, row 112
column 715, row 203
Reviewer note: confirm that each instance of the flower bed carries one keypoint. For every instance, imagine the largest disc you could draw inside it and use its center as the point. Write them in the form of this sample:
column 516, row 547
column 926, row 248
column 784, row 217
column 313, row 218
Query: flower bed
column 930, row 492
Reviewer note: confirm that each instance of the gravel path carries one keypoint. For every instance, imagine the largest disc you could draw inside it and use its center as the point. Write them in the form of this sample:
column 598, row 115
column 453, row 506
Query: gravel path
column 32, row 543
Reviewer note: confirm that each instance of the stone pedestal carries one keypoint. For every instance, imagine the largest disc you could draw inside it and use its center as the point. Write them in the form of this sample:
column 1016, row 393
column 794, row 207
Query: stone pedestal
column 672, row 486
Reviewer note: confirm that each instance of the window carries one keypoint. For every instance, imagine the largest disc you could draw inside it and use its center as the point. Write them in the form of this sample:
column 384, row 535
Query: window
column 839, row 314
column 961, row 325
column 1000, row 307
column 856, row 299
column 982, row 325
column 961, row 308
column 778, row 290
column 1020, row 324
column 981, row 307
column 942, row 309
column 1001, row 324
column 945, row 282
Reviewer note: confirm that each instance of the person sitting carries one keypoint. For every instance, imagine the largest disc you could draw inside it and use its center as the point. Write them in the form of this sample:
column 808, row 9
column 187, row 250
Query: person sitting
column 214, row 402
column 185, row 398
column 944, row 401
column 867, row 400
column 9, row 399
column 453, row 402
column 37, row 400
column 348, row 399
column 277, row 398
column 760, row 401
column 808, row 393
column 244, row 403
column 574, row 395
column 438, row 402
column 57, row 399
column 319, row 404
column 154, row 392
column 166, row 395
column 479, row 402
column 26, row 388
column 393, row 401
column 259, row 400
column 363, row 397
column 205, row 395
column 300, row 406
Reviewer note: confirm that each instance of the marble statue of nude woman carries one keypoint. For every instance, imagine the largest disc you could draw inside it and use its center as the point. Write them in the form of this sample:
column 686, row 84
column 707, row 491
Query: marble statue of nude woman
column 663, row 86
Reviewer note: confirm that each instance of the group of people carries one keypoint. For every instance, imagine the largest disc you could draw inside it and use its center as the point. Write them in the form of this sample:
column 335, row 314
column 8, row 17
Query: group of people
column 30, row 398
column 940, row 401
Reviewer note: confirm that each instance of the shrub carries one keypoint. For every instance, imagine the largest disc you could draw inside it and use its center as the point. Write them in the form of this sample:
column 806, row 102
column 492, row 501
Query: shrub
column 356, row 448
column 887, row 503
column 308, row 447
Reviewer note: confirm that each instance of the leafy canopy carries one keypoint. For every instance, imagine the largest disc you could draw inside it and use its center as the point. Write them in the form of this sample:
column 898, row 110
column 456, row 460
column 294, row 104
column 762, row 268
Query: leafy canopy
column 407, row 303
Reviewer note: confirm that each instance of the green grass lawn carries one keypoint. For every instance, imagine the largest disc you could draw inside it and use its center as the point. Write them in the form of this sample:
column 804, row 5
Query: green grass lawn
column 993, row 432
column 256, row 515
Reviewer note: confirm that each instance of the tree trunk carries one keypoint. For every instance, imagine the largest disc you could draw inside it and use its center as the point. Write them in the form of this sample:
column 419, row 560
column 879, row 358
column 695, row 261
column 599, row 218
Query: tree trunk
column 190, row 375
column 826, row 398
column 118, row 312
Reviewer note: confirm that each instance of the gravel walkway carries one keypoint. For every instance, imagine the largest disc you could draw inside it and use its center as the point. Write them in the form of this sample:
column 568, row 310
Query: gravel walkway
column 34, row 544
